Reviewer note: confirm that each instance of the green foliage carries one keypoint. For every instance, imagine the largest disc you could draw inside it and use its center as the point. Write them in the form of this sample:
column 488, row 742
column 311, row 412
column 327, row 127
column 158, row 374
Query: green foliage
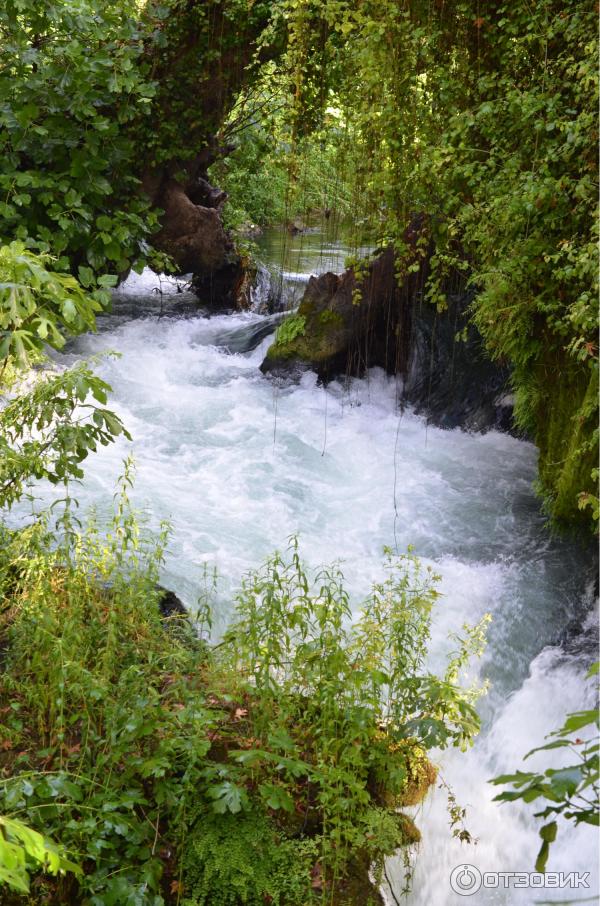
column 48, row 429
column 73, row 81
column 200, row 54
column 571, row 791
column 275, row 174
column 255, row 179
column 484, row 123
column 338, row 683
column 568, row 439
column 233, row 859
column 95, row 105
column 103, row 727
column 272, row 765
column 37, row 306
column 292, row 327
column 23, row 850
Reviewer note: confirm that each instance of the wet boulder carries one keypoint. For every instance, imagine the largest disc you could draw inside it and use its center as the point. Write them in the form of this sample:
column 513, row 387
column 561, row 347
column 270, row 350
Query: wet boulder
column 345, row 324
column 377, row 314
column 170, row 605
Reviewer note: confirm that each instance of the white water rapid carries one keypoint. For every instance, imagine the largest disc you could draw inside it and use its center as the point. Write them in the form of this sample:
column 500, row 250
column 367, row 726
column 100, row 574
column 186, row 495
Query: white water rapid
column 238, row 465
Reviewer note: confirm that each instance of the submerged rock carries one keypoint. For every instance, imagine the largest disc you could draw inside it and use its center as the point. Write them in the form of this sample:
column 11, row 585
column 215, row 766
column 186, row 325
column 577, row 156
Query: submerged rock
column 177, row 621
column 170, row 605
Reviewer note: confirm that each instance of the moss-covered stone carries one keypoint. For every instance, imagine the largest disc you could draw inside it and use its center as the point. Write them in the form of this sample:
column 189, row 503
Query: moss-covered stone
column 342, row 335
column 420, row 774
column 317, row 344
column 410, row 833
column 567, row 436
column 315, row 334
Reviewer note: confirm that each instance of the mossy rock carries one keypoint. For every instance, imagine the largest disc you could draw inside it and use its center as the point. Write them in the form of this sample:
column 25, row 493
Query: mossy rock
column 315, row 346
column 358, row 888
column 410, row 833
column 316, row 334
column 567, row 418
column 421, row 774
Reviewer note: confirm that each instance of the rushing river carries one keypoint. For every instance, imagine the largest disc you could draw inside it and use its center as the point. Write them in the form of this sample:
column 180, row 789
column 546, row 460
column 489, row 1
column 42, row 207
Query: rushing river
column 238, row 464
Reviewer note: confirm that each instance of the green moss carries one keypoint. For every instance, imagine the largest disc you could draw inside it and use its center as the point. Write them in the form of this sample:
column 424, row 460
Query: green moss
column 417, row 773
column 567, row 437
column 290, row 329
column 410, row 833
column 308, row 336
column 286, row 337
column 330, row 318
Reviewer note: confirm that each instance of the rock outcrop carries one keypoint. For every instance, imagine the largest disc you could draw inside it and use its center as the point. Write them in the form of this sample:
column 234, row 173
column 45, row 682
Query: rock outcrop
column 193, row 235
column 346, row 324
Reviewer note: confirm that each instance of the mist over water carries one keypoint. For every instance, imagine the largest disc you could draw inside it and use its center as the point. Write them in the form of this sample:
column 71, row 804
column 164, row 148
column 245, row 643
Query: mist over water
column 239, row 464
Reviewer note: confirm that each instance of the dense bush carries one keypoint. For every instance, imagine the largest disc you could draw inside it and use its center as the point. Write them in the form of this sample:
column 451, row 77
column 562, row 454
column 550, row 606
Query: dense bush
column 98, row 98
column 72, row 82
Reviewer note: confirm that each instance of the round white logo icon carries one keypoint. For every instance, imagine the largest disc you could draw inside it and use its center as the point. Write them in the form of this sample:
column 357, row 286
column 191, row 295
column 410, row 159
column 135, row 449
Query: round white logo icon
column 465, row 880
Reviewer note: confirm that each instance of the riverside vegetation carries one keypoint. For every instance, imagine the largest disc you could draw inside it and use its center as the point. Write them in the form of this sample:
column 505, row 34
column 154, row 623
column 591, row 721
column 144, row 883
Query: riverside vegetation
column 142, row 764
column 271, row 768
column 482, row 124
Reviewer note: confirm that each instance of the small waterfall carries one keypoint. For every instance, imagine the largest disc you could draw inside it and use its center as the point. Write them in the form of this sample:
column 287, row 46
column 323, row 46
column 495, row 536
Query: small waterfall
column 261, row 291
column 506, row 834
